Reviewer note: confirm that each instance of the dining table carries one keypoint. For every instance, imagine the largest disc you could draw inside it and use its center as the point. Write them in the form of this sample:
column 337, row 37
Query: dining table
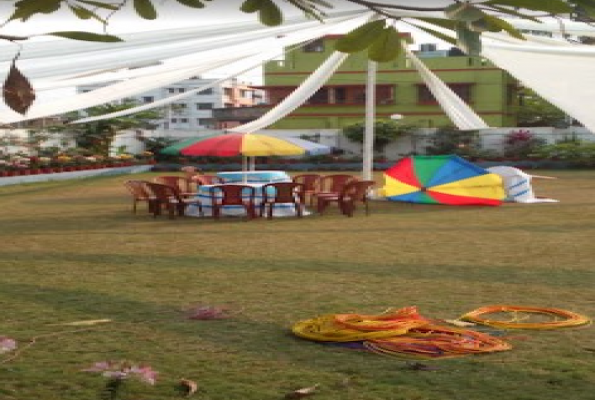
column 255, row 179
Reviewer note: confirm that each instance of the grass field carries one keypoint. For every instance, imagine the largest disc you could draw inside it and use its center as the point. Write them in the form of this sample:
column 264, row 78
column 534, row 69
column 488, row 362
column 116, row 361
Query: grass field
column 73, row 251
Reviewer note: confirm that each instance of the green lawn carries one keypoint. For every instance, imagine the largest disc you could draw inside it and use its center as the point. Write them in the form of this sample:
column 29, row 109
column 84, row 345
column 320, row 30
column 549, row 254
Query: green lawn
column 73, row 251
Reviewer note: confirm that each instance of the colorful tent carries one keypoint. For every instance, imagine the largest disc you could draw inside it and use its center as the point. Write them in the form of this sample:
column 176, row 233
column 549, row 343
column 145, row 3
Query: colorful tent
column 442, row 180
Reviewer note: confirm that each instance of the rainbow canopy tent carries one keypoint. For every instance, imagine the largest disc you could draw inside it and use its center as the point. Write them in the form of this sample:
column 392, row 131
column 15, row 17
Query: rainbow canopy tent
column 445, row 179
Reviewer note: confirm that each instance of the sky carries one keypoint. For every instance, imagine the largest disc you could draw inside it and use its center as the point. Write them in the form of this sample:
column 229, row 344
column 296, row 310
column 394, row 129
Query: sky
column 171, row 15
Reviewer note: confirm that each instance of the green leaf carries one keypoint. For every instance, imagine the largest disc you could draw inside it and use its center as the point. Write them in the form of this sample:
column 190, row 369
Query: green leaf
column 251, row 6
column 270, row 14
column 81, row 12
column 360, row 38
column 463, row 12
column 145, row 9
column 468, row 41
column 587, row 6
column 25, row 9
column 100, row 4
column 550, row 6
column 192, row 3
column 386, row 47
column 498, row 24
column 86, row 36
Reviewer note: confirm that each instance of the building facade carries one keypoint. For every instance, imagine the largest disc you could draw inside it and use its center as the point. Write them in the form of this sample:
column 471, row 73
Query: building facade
column 196, row 111
column 489, row 90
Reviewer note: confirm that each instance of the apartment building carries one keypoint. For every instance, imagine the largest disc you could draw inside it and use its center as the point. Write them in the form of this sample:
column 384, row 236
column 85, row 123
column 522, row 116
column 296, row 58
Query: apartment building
column 196, row 111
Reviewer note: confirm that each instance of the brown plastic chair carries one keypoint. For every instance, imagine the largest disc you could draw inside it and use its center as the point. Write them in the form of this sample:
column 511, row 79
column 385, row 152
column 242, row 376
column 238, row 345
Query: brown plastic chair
column 355, row 191
column 310, row 182
column 139, row 192
column 283, row 192
column 208, row 179
column 332, row 185
column 180, row 183
column 233, row 195
column 167, row 197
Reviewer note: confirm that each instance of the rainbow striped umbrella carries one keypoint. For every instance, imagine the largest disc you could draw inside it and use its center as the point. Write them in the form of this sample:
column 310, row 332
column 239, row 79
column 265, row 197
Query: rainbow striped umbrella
column 245, row 144
column 442, row 180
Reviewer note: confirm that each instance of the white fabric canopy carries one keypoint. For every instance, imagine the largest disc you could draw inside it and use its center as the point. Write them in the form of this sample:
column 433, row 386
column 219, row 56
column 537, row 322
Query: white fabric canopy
column 457, row 110
column 171, row 72
column 234, row 68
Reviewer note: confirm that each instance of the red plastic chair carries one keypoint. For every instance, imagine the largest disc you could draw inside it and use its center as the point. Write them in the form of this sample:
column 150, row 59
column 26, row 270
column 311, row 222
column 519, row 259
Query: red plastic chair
column 283, row 192
column 355, row 191
column 180, row 183
column 233, row 195
column 140, row 192
column 332, row 185
column 310, row 182
column 167, row 197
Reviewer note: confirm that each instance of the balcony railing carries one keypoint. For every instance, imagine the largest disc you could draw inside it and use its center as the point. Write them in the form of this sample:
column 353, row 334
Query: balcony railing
column 238, row 113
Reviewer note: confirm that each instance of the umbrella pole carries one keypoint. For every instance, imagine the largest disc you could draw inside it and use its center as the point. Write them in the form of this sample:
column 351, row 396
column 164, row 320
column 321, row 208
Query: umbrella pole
column 244, row 169
column 252, row 166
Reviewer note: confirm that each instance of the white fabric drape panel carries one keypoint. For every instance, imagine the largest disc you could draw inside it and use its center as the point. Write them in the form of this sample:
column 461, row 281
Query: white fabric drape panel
column 298, row 96
column 457, row 110
column 564, row 76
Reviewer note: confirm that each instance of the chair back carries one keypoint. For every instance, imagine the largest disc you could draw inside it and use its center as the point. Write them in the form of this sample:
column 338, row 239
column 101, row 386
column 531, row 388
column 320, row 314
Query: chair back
column 356, row 191
column 137, row 189
column 283, row 192
column 310, row 181
column 334, row 183
column 232, row 194
column 163, row 193
column 208, row 179
column 179, row 183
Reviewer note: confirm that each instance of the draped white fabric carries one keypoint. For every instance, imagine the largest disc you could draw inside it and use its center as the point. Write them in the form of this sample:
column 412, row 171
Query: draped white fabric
column 457, row 110
column 172, row 72
column 112, row 57
column 563, row 75
column 235, row 69
column 298, row 96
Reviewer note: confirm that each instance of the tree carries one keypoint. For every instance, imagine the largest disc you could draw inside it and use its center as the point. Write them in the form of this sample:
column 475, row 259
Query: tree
column 96, row 137
column 385, row 132
column 467, row 20
column 535, row 111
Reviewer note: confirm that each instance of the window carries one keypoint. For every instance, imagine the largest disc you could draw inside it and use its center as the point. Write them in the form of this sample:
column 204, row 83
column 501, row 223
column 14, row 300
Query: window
column 171, row 90
column 174, row 120
column 316, row 46
column 320, row 97
column 228, row 91
column 181, row 90
column 340, row 95
column 206, row 122
column 204, row 106
column 205, row 92
column 181, row 105
column 184, row 120
column 228, row 105
column 148, row 99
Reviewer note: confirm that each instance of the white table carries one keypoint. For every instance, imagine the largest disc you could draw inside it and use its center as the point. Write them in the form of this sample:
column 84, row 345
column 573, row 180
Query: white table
column 254, row 176
column 204, row 195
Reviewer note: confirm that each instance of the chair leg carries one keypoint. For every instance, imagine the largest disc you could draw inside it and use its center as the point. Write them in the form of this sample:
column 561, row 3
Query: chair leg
column 270, row 212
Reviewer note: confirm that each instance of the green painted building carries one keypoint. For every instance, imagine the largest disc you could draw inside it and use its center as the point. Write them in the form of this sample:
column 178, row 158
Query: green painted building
column 489, row 90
